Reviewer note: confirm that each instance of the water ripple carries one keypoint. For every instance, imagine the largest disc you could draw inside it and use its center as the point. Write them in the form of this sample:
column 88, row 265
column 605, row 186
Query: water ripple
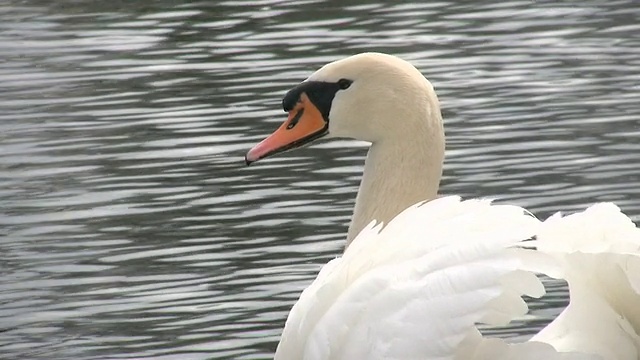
column 130, row 227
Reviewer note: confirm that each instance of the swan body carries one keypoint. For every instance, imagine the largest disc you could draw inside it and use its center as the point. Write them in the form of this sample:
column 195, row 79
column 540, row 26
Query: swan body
column 469, row 271
column 415, row 285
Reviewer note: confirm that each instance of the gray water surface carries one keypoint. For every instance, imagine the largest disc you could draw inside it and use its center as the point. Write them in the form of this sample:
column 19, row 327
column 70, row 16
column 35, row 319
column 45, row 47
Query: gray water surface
column 129, row 225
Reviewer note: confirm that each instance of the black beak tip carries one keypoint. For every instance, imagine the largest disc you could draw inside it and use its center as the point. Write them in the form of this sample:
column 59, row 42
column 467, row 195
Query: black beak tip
column 247, row 161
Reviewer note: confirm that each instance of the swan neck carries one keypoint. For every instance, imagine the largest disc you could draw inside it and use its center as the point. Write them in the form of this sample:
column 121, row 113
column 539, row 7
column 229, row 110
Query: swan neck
column 397, row 174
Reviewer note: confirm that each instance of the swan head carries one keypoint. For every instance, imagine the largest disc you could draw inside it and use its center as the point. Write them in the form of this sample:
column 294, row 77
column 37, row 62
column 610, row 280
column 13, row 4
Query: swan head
column 371, row 97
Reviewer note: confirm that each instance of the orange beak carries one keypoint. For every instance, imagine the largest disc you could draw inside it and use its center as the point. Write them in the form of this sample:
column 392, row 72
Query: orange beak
column 305, row 124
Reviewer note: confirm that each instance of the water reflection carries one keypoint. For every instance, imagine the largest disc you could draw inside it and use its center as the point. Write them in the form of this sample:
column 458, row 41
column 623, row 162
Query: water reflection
column 130, row 227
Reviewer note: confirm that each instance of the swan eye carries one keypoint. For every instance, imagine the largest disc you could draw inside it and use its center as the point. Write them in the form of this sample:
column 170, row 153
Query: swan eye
column 344, row 83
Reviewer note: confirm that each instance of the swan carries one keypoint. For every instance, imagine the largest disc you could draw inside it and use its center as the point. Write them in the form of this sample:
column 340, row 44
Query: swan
column 420, row 272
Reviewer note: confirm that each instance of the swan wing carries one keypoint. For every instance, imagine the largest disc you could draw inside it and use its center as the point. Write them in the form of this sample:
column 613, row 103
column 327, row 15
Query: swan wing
column 417, row 288
column 597, row 252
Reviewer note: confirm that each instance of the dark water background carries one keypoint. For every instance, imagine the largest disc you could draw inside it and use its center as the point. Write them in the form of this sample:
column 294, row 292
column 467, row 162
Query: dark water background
column 129, row 226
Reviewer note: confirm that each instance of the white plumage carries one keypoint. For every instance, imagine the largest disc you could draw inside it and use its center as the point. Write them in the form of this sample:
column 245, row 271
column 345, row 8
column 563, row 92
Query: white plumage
column 416, row 290
column 598, row 252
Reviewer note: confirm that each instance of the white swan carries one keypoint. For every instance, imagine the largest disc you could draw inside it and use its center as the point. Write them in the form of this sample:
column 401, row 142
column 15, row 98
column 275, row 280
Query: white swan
column 416, row 288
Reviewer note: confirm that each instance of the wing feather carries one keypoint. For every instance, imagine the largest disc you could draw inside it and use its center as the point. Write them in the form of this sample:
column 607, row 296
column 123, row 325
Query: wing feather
column 597, row 252
column 417, row 287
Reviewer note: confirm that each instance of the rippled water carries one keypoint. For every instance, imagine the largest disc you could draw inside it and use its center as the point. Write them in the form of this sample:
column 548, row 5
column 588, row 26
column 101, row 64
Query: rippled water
column 130, row 226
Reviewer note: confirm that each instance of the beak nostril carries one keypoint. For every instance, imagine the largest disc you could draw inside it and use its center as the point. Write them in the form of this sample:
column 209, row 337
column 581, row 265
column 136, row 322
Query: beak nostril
column 295, row 119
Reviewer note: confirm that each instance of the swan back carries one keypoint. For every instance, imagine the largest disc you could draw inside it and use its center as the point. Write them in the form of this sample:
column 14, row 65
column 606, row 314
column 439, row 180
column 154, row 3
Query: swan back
column 443, row 264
